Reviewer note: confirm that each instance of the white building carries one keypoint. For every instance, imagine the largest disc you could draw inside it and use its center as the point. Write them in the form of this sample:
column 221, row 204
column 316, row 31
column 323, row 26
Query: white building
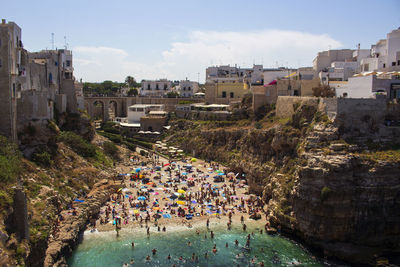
column 155, row 87
column 135, row 112
column 187, row 88
column 368, row 86
column 385, row 54
column 228, row 74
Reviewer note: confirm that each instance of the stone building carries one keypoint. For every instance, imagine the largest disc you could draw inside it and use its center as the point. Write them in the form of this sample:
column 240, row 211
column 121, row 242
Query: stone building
column 187, row 88
column 12, row 72
column 155, row 87
column 32, row 85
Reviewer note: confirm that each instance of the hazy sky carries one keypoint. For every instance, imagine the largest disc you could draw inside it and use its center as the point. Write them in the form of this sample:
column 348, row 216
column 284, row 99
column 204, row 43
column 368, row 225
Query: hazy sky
column 177, row 39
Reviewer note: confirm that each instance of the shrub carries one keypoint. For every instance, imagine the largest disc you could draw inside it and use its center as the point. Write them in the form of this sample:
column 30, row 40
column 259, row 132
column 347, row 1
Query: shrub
column 111, row 150
column 109, row 127
column 257, row 125
column 325, row 191
column 10, row 160
column 42, row 158
column 77, row 144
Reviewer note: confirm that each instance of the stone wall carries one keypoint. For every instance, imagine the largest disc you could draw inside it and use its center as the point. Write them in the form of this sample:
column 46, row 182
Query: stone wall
column 285, row 104
column 33, row 105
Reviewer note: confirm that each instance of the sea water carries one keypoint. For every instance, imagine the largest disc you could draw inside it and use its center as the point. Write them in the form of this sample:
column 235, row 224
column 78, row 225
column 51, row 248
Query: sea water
column 106, row 249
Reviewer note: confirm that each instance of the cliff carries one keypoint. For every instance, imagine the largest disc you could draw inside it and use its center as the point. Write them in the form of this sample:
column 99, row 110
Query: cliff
column 337, row 196
column 62, row 166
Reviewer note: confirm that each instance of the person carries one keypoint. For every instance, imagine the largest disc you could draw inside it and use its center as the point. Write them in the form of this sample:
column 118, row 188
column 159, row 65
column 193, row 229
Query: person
column 133, row 244
column 236, row 242
column 169, row 257
column 154, row 251
column 189, row 244
column 206, row 255
column 148, row 258
column 244, row 227
column 212, row 234
column 226, row 245
column 193, row 256
column 208, row 223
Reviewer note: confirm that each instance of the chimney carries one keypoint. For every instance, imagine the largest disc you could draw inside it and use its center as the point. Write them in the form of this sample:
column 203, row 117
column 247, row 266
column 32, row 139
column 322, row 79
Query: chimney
column 3, row 21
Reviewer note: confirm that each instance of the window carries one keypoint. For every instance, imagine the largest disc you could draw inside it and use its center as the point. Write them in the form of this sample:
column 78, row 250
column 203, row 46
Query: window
column 393, row 63
column 68, row 63
column 165, row 86
column 184, row 88
column 384, row 65
column 231, row 94
column 366, row 67
column 398, row 63
column 157, row 87
column 148, row 86
column 224, row 94
column 0, row 63
column 13, row 90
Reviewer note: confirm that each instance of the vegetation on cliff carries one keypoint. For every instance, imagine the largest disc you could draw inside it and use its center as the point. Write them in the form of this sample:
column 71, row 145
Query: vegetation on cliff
column 59, row 167
column 306, row 173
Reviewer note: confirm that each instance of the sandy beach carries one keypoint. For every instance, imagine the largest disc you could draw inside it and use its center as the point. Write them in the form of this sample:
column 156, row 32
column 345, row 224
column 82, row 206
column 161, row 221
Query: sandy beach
column 158, row 202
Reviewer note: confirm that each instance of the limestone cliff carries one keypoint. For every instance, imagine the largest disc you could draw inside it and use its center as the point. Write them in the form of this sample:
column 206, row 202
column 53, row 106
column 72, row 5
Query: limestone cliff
column 63, row 166
column 336, row 196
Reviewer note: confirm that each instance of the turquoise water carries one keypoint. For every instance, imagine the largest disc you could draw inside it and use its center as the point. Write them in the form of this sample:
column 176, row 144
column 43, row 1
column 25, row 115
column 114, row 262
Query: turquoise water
column 105, row 249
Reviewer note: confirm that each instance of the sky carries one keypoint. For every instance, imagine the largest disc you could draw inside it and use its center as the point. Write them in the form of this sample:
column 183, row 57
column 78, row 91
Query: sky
column 179, row 39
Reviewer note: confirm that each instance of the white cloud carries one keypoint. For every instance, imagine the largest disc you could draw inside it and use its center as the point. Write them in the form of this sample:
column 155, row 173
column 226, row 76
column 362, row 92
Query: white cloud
column 288, row 48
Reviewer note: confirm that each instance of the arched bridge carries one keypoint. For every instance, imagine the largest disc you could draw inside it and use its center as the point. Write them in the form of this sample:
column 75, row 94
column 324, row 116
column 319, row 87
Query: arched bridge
column 105, row 108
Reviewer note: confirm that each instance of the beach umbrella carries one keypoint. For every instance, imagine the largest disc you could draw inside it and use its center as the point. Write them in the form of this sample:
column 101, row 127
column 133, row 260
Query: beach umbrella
column 138, row 169
column 221, row 173
column 150, row 183
column 142, row 197
column 184, row 173
column 173, row 197
column 180, row 151
column 218, row 171
column 158, row 142
column 193, row 159
column 143, row 190
column 181, row 202
column 135, row 211
column 156, row 193
column 181, row 191
column 167, row 216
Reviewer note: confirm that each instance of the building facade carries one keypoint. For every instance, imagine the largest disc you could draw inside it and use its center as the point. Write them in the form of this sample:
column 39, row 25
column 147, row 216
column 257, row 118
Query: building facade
column 32, row 85
column 155, row 87
column 187, row 88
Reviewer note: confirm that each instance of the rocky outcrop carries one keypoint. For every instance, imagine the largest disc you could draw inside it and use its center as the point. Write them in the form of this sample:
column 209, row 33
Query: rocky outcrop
column 61, row 244
column 316, row 186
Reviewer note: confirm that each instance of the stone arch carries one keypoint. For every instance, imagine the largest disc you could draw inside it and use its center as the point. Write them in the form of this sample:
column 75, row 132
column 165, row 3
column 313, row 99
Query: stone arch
column 113, row 109
column 98, row 110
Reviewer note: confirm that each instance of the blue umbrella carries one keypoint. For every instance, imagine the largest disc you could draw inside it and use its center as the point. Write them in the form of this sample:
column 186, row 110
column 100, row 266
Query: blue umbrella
column 184, row 173
column 138, row 169
column 141, row 198
column 221, row 173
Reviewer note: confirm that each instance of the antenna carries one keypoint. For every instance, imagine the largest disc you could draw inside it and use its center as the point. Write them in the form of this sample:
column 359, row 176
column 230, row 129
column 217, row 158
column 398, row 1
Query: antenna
column 52, row 41
column 65, row 43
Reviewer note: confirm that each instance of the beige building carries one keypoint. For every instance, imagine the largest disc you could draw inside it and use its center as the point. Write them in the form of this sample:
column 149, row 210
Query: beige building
column 32, row 85
column 225, row 93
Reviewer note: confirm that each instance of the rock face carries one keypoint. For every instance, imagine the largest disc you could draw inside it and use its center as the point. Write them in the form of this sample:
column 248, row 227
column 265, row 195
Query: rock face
column 317, row 186
column 61, row 245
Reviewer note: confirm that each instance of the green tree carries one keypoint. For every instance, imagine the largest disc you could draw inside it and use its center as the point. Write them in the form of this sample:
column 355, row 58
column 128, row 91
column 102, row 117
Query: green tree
column 133, row 92
column 130, row 81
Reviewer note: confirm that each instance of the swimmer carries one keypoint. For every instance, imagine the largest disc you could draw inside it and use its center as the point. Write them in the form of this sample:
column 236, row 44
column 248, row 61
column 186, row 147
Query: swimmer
column 206, row 255
column 132, row 261
column 189, row 244
column 154, row 251
column 133, row 244
column 226, row 245
column 169, row 257
column 236, row 242
column 148, row 258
